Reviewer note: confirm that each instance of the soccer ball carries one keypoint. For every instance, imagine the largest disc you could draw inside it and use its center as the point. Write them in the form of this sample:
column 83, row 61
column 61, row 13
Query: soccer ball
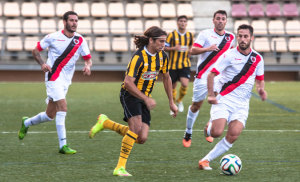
column 230, row 164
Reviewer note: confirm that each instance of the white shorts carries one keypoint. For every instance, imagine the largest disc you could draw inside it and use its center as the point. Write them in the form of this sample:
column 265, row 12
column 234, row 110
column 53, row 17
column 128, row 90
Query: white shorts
column 56, row 91
column 230, row 113
column 199, row 90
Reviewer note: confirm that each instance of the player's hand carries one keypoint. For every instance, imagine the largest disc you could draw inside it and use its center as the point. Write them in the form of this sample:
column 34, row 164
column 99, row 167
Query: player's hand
column 45, row 67
column 87, row 70
column 263, row 94
column 177, row 47
column 150, row 103
column 212, row 100
column 174, row 109
column 213, row 47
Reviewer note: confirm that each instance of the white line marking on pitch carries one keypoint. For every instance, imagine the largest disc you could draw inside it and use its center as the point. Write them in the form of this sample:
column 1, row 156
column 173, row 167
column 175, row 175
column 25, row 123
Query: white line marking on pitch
column 153, row 131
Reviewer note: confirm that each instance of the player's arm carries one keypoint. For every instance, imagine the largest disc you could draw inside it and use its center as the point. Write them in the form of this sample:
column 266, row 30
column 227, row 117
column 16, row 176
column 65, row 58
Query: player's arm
column 260, row 88
column 175, row 48
column 168, row 88
column 168, row 43
column 211, row 98
column 37, row 57
column 133, row 90
column 197, row 49
column 200, row 42
column 87, row 67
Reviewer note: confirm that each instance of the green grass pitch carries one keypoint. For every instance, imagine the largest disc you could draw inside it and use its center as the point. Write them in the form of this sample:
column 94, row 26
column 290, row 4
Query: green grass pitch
column 269, row 147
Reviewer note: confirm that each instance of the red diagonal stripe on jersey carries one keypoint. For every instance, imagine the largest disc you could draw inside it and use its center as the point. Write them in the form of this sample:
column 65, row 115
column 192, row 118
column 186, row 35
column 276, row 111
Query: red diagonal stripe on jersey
column 243, row 78
column 63, row 63
column 215, row 58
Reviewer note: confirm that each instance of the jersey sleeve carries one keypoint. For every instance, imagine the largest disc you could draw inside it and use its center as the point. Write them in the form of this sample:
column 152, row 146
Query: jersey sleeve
column 169, row 40
column 200, row 40
column 260, row 70
column 134, row 66
column 85, row 53
column 44, row 43
column 221, row 64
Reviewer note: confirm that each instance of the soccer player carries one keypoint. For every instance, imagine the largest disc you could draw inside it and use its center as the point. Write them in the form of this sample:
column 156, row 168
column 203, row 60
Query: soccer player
column 209, row 46
column 179, row 43
column 239, row 69
column 135, row 95
column 64, row 48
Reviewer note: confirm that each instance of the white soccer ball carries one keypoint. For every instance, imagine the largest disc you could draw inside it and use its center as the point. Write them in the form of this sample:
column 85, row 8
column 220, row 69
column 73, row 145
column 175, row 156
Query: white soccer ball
column 230, row 164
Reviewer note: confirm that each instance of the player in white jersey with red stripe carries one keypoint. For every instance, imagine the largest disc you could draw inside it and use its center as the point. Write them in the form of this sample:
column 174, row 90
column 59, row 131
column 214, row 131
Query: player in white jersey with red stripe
column 64, row 49
column 209, row 46
column 239, row 69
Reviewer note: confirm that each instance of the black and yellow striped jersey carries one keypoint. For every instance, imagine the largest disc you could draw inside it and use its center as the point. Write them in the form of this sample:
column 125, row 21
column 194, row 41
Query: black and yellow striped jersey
column 179, row 59
column 145, row 68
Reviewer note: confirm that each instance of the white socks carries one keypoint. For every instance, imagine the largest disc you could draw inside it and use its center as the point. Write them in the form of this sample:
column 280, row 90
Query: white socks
column 221, row 147
column 39, row 118
column 190, row 120
column 60, row 127
column 209, row 128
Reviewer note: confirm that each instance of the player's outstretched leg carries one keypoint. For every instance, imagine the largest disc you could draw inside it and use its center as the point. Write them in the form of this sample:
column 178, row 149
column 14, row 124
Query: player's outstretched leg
column 23, row 130
column 190, row 120
column 126, row 147
column 104, row 122
column 98, row 126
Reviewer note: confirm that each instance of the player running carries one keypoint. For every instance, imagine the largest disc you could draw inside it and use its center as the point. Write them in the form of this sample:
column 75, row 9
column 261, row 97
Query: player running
column 209, row 45
column 239, row 69
column 64, row 49
column 135, row 95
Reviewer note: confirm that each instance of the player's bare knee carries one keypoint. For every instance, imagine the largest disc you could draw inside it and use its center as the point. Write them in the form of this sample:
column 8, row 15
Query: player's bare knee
column 142, row 140
column 194, row 108
column 231, row 138
column 216, row 133
column 51, row 114
column 63, row 109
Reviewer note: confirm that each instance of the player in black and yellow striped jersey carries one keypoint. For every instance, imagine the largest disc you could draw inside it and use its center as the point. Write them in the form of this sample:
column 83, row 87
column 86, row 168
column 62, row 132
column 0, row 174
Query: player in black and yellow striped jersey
column 145, row 66
column 135, row 96
column 178, row 44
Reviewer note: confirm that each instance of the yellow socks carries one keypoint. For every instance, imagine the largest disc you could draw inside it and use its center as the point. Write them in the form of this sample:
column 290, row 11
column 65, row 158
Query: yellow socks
column 117, row 127
column 174, row 93
column 127, row 144
column 182, row 93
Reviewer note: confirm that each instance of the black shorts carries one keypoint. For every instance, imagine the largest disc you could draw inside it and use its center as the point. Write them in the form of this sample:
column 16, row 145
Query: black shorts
column 177, row 74
column 133, row 107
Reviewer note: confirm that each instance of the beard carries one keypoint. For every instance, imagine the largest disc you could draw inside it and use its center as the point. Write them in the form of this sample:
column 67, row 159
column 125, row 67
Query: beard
column 68, row 27
column 220, row 27
column 244, row 46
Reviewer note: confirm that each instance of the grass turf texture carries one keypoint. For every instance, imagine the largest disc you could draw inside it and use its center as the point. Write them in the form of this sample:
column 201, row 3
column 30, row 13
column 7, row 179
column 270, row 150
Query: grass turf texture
column 266, row 155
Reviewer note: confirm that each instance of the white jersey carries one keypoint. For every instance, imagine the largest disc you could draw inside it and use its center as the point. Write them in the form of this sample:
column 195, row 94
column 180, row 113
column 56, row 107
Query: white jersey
column 207, row 38
column 63, row 52
column 237, row 75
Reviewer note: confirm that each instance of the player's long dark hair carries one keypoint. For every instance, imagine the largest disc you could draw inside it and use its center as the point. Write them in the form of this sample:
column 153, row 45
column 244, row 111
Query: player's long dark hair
column 153, row 32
